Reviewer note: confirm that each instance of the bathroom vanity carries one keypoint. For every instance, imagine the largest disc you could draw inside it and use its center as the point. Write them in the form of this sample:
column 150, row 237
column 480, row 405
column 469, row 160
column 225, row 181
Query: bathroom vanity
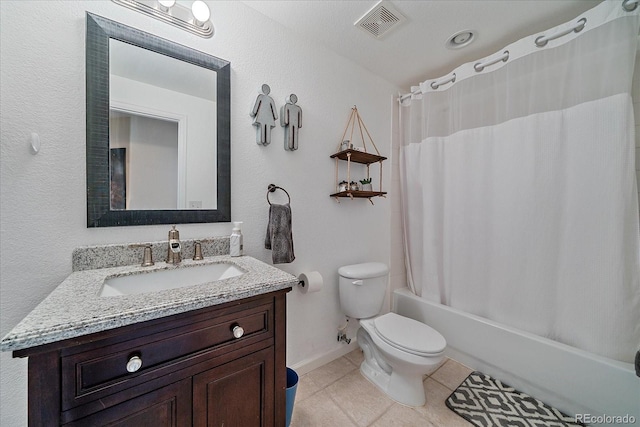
column 207, row 354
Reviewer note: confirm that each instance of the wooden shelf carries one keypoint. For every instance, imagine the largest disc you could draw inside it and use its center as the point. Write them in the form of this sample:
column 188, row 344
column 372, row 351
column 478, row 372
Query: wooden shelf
column 358, row 156
column 359, row 194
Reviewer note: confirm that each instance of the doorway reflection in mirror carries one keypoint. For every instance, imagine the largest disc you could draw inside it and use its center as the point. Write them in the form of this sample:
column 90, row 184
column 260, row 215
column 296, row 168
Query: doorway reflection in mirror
column 164, row 112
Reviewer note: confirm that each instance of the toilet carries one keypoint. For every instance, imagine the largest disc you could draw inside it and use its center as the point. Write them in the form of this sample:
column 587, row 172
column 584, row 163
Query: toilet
column 398, row 350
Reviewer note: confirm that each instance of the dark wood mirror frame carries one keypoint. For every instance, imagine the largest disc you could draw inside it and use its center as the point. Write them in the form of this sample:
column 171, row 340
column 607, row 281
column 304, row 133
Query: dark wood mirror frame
column 99, row 213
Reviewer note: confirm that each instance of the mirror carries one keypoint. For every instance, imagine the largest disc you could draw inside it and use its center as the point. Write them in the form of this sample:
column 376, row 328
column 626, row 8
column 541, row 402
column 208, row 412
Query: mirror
column 158, row 117
column 156, row 102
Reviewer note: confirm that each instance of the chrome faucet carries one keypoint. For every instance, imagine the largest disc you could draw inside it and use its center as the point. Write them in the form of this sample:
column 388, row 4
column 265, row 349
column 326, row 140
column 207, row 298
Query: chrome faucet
column 197, row 251
column 174, row 248
column 147, row 259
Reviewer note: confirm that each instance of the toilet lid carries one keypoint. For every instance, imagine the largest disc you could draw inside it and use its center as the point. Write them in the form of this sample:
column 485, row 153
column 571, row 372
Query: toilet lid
column 409, row 335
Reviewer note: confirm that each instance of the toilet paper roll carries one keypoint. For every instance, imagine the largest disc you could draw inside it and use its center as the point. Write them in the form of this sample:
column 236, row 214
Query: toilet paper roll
column 310, row 282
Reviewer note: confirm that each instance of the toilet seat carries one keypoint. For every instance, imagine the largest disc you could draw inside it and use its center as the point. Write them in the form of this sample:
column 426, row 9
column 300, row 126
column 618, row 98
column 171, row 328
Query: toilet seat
column 409, row 335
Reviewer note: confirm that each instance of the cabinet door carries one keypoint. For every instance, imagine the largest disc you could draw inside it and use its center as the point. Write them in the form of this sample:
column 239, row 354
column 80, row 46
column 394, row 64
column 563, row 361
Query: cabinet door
column 237, row 394
column 168, row 406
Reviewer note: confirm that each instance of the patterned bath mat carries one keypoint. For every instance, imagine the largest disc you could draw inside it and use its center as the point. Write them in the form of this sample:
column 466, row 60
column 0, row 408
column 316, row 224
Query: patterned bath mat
column 486, row 402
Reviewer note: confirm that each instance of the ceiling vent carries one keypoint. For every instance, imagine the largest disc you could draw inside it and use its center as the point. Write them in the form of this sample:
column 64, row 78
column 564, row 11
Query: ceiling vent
column 380, row 20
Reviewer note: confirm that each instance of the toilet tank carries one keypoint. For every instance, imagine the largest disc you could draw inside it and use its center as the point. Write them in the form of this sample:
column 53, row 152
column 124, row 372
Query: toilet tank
column 362, row 289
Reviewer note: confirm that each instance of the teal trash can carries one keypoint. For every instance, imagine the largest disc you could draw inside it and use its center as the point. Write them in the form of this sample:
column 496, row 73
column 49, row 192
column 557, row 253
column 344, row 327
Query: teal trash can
column 292, row 385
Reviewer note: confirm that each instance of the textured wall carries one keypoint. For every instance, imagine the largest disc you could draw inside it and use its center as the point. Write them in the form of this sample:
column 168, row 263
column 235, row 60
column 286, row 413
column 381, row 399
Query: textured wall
column 43, row 203
column 635, row 94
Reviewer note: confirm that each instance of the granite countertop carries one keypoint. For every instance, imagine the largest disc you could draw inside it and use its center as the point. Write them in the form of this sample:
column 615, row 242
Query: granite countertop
column 75, row 308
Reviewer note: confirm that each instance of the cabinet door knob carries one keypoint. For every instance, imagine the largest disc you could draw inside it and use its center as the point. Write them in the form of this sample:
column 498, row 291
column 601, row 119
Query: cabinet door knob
column 134, row 364
column 238, row 331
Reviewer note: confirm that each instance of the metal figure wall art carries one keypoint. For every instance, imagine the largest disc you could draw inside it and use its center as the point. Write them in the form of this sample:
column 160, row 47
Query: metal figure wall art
column 291, row 120
column 265, row 116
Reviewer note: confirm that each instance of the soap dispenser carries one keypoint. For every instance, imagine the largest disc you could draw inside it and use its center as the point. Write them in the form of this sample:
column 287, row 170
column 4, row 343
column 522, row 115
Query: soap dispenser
column 173, row 252
column 235, row 243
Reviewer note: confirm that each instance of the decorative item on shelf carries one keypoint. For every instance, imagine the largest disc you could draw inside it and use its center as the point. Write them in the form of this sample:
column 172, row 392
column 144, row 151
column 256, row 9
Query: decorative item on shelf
column 291, row 120
column 265, row 115
column 195, row 20
column 366, row 184
column 357, row 154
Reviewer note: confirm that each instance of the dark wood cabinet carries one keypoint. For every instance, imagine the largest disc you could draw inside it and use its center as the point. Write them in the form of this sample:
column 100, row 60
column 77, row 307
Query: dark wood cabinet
column 193, row 371
column 169, row 406
column 237, row 394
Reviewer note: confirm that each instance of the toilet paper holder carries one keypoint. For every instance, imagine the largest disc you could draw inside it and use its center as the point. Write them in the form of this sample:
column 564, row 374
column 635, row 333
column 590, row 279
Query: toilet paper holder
column 310, row 281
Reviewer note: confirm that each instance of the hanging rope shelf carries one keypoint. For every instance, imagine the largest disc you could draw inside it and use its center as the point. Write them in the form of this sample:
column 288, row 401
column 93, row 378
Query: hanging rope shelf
column 350, row 153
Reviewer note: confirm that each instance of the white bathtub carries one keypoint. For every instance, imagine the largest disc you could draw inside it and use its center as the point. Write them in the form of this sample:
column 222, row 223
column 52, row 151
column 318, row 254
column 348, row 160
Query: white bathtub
column 574, row 381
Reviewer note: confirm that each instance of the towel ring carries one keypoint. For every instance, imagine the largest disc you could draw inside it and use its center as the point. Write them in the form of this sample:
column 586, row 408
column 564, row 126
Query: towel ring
column 272, row 188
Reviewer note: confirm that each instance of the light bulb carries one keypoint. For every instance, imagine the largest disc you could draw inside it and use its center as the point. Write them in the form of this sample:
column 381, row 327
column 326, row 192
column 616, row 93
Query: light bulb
column 200, row 12
column 165, row 5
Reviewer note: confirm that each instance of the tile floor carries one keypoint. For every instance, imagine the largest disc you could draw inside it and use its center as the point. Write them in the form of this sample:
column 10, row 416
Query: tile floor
column 337, row 395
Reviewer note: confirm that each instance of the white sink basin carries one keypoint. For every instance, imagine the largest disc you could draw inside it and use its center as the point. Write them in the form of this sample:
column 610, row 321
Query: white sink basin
column 160, row 280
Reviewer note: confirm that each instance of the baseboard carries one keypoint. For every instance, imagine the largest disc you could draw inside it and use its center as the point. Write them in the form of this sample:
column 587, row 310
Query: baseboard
column 312, row 363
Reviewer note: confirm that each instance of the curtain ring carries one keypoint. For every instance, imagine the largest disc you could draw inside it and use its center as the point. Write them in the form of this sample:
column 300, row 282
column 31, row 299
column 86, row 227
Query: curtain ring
column 479, row 66
column 436, row 84
column 543, row 40
column 582, row 22
column 630, row 5
column 272, row 187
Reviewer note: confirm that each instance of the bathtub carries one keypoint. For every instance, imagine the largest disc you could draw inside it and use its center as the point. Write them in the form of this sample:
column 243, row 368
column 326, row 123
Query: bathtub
column 572, row 380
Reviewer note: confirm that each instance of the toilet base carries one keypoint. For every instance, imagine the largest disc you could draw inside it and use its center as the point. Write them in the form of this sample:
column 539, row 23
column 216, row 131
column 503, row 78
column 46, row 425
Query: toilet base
column 406, row 390
column 402, row 382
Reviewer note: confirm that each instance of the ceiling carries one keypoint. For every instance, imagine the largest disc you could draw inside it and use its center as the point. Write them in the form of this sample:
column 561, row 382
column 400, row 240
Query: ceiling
column 415, row 51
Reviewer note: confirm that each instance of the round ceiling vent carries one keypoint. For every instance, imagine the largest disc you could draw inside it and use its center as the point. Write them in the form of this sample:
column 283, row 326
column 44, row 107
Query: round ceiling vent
column 460, row 39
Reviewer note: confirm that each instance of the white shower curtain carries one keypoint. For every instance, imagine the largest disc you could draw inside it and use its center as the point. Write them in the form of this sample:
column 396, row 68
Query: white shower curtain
column 518, row 187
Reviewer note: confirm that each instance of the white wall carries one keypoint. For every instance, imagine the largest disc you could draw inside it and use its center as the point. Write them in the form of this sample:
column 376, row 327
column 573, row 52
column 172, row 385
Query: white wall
column 635, row 95
column 152, row 176
column 42, row 197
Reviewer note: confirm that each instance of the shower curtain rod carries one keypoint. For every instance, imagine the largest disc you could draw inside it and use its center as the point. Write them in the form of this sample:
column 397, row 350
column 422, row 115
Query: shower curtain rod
column 541, row 41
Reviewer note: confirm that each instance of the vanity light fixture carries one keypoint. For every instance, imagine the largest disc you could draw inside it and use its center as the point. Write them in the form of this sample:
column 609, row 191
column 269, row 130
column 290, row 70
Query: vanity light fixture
column 165, row 5
column 195, row 20
column 200, row 12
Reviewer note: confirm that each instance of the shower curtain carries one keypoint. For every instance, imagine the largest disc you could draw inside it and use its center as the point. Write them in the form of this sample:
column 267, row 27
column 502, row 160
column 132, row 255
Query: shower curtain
column 518, row 183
